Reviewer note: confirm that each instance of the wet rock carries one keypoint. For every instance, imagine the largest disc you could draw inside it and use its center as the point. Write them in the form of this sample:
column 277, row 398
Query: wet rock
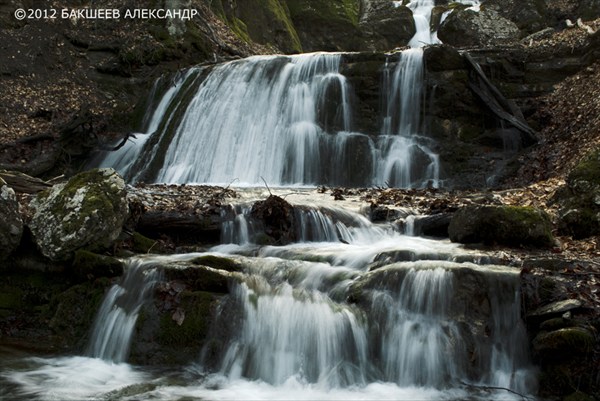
column 579, row 199
column 506, row 225
column 435, row 225
column 385, row 25
column 277, row 217
column 218, row 262
column 173, row 329
column 11, row 224
column 443, row 58
column 464, row 28
column 87, row 212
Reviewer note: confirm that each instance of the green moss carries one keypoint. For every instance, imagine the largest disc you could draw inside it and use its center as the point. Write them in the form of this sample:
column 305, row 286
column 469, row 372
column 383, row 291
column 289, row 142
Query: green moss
column 578, row 396
column 218, row 262
column 329, row 10
column 89, row 265
column 587, row 170
column 73, row 311
column 141, row 244
column 516, row 224
column 197, row 307
column 564, row 343
column 282, row 14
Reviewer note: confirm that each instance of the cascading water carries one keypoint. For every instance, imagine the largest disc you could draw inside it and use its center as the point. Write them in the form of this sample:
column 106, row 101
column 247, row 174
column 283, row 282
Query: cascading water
column 124, row 160
column 112, row 330
column 352, row 310
column 406, row 158
column 287, row 120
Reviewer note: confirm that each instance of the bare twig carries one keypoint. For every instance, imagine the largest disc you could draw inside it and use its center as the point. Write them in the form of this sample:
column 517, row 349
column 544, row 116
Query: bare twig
column 268, row 189
column 497, row 388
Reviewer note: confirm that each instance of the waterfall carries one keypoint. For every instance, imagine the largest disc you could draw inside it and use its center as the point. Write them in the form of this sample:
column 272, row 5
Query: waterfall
column 264, row 117
column 113, row 327
column 422, row 13
column 352, row 310
column 285, row 119
column 406, row 158
column 124, row 159
column 409, row 326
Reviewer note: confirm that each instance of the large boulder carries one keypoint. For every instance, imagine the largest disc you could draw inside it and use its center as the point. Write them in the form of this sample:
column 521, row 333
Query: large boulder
column 505, row 225
column 87, row 212
column 529, row 15
column 385, row 25
column 579, row 199
column 327, row 25
column 11, row 224
column 468, row 28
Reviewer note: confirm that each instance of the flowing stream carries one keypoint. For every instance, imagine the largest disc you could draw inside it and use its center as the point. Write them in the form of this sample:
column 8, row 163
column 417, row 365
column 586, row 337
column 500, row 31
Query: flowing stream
column 349, row 310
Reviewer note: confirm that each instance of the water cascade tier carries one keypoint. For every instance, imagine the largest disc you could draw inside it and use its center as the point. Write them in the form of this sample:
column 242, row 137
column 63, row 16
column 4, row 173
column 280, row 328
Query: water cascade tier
column 286, row 120
column 348, row 309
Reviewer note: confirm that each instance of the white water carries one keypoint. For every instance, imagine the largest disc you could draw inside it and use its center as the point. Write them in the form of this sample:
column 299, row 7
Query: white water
column 405, row 155
column 287, row 120
column 422, row 10
column 353, row 310
column 124, row 159
column 115, row 321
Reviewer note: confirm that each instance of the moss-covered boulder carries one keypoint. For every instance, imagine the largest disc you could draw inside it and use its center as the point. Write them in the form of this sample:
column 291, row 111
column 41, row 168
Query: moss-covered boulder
column 563, row 343
column 11, row 224
column 505, row 225
column 465, row 28
column 579, row 199
column 88, row 265
column 327, row 25
column 73, row 312
column 87, row 212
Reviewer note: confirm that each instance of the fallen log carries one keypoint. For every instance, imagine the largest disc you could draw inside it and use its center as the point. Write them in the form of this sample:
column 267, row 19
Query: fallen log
column 23, row 183
column 184, row 227
column 497, row 103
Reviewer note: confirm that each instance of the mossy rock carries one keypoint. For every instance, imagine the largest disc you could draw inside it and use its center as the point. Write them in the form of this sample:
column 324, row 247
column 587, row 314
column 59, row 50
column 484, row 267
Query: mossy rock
column 587, row 172
column 87, row 212
column 142, row 244
column 73, row 312
column 327, row 25
column 89, row 265
column 197, row 310
column 565, row 343
column 266, row 22
column 217, row 262
column 579, row 199
column 199, row 278
column 505, row 225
